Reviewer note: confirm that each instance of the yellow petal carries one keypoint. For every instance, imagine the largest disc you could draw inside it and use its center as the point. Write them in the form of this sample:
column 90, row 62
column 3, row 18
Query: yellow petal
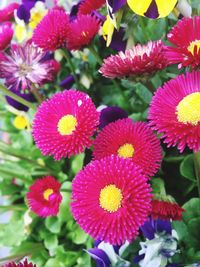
column 139, row 6
column 108, row 30
column 165, row 7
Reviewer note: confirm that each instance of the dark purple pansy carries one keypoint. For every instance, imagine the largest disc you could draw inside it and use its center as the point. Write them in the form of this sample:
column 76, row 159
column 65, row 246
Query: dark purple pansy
column 74, row 10
column 67, row 82
column 23, row 11
column 151, row 227
column 116, row 4
column 118, row 43
column 152, row 11
column 27, row 96
column 100, row 257
column 111, row 114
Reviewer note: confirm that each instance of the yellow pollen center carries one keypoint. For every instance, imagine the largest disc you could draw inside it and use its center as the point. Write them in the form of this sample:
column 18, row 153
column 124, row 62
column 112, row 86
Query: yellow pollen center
column 192, row 46
column 47, row 193
column 110, row 198
column 67, row 124
column 188, row 110
column 126, row 151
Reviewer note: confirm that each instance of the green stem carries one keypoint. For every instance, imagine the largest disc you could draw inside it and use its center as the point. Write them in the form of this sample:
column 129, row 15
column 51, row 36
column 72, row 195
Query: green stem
column 13, row 207
column 20, row 256
column 197, row 169
column 71, row 66
column 95, row 54
column 143, row 26
column 16, row 97
column 66, row 190
column 36, row 94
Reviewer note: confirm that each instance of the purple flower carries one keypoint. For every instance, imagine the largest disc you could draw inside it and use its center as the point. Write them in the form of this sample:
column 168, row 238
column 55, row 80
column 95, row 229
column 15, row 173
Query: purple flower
column 116, row 4
column 67, row 82
column 100, row 257
column 27, row 96
column 23, row 66
column 111, row 114
column 23, row 11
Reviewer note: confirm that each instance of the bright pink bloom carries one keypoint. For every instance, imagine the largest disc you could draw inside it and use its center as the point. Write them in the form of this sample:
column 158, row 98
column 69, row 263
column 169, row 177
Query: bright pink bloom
column 7, row 13
column 88, row 6
column 6, row 34
column 44, row 197
column 64, row 124
column 111, row 199
column 140, row 60
column 175, row 111
column 52, row 31
column 165, row 210
column 55, row 66
column 20, row 264
column 131, row 140
column 82, row 31
column 24, row 66
column 186, row 40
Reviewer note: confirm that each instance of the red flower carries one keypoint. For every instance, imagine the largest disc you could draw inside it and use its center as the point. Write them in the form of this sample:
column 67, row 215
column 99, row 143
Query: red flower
column 52, row 31
column 20, row 264
column 166, row 210
column 140, row 60
column 88, row 6
column 82, row 31
column 44, row 197
column 130, row 140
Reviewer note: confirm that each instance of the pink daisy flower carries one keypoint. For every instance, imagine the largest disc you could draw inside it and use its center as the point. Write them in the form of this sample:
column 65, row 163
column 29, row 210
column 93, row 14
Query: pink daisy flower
column 19, row 264
column 130, row 140
column 24, row 66
column 6, row 34
column 52, row 31
column 111, row 199
column 88, row 6
column 82, row 31
column 141, row 59
column 185, row 37
column 7, row 13
column 166, row 210
column 44, row 197
column 64, row 124
column 175, row 111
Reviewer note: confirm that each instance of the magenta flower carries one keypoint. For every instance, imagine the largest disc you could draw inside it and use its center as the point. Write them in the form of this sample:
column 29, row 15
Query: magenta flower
column 44, row 197
column 52, row 31
column 82, row 31
column 23, row 66
column 111, row 199
column 175, row 111
column 7, row 13
column 130, row 140
column 64, row 125
column 6, row 34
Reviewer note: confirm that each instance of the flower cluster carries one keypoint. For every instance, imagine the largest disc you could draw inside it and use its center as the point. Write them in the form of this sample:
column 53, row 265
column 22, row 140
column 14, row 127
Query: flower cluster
column 91, row 135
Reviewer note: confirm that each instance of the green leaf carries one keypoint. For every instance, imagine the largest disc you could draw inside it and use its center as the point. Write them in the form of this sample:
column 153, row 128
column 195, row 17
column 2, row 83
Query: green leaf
column 53, row 224
column 192, row 209
column 51, row 241
column 54, row 263
column 187, row 169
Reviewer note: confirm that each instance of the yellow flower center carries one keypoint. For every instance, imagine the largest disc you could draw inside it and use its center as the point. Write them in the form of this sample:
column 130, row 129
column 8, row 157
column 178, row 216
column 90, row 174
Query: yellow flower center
column 20, row 122
column 188, row 110
column 67, row 124
column 192, row 46
column 126, row 151
column 47, row 193
column 110, row 198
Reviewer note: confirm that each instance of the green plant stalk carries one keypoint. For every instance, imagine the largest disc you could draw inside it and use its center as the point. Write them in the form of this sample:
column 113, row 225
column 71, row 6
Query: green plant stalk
column 197, row 169
column 21, row 255
column 95, row 54
column 66, row 55
column 36, row 94
column 13, row 207
column 21, row 100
